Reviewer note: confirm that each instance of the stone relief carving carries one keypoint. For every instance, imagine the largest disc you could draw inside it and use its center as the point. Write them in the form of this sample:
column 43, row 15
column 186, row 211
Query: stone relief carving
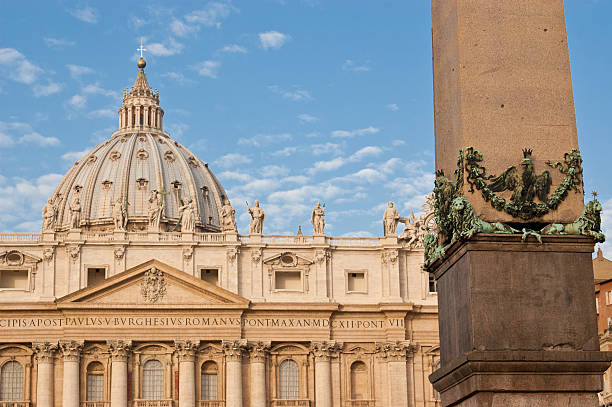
column 317, row 218
column 119, row 253
column 156, row 208
column 258, row 351
column 228, row 217
column 119, row 349
column 187, row 253
column 389, row 256
column 321, row 255
column 119, row 213
column 142, row 154
column 325, row 350
column 71, row 350
column 257, row 218
column 73, row 252
column 390, row 220
column 153, row 285
column 186, row 348
column 48, row 254
column 395, row 351
column 417, row 228
column 234, row 349
column 44, row 351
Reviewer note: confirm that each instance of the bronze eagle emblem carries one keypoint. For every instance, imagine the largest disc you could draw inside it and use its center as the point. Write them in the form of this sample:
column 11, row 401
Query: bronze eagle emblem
column 526, row 186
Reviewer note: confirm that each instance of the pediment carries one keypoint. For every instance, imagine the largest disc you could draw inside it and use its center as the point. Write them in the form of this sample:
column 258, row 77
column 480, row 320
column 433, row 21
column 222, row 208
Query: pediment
column 18, row 258
column 287, row 259
column 153, row 284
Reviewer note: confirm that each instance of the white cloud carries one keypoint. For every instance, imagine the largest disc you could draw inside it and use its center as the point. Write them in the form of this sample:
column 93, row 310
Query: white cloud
column 273, row 39
column 15, row 65
column 86, row 14
column 297, row 95
column 326, row 148
column 95, row 89
column 338, row 162
column 261, row 139
column 393, row 107
column 58, row 43
column 269, row 171
column 75, row 155
column 233, row 49
column 76, row 71
column 77, row 101
column 306, row 118
column 285, row 152
column 6, row 141
column 350, row 65
column 232, row 159
column 353, row 133
column 182, row 29
column 102, row 113
column 21, row 201
column 171, row 47
column 211, row 15
column 329, row 165
column 235, row 176
column 312, row 134
column 397, row 143
column 177, row 76
column 36, row 138
column 45, row 90
column 208, row 68
column 365, row 152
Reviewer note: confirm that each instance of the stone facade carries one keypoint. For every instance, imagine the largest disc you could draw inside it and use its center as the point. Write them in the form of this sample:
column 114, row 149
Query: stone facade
column 130, row 297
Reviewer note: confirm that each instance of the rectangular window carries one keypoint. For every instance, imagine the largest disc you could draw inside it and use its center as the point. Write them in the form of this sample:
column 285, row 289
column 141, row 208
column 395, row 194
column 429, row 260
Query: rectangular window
column 95, row 275
column 209, row 386
column 433, row 285
column 356, row 282
column 14, row 279
column 95, row 387
column 210, row 276
column 288, row 280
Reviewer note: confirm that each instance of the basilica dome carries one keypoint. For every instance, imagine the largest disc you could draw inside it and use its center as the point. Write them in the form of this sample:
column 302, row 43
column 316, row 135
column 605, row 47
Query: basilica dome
column 139, row 167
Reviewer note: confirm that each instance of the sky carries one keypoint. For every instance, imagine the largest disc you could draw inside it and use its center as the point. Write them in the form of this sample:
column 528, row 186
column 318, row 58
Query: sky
column 289, row 101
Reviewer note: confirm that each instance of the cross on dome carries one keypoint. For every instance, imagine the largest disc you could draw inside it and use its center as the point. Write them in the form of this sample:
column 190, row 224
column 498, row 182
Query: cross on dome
column 141, row 62
column 141, row 49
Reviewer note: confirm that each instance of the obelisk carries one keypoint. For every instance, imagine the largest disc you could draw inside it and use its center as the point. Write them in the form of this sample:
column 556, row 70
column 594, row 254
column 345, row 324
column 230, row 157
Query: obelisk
column 513, row 254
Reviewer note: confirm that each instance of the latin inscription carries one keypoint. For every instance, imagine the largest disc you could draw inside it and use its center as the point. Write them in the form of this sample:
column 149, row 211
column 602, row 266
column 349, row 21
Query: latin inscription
column 197, row 321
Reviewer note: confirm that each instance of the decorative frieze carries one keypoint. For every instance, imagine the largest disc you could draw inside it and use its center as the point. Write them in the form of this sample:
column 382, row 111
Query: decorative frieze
column 119, row 349
column 234, row 349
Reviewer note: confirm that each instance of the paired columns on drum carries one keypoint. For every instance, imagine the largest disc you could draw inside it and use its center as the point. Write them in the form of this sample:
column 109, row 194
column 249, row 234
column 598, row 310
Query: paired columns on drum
column 45, row 353
column 119, row 351
column 186, row 350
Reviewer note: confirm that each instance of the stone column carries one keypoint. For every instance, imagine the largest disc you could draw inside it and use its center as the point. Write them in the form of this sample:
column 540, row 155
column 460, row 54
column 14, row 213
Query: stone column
column 395, row 354
column 44, row 382
column 233, row 350
column 70, row 390
column 119, row 351
column 187, row 384
column 258, row 352
column 323, row 352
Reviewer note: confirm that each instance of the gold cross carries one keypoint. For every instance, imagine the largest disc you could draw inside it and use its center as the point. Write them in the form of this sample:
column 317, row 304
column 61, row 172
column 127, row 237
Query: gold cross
column 141, row 48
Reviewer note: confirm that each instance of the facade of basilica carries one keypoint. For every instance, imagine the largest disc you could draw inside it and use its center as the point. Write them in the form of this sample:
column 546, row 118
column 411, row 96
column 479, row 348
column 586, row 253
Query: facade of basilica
column 140, row 292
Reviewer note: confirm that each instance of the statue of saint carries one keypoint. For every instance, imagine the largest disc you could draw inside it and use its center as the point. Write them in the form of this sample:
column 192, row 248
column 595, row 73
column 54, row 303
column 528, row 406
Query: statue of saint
column 257, row 218
column 119, row 213
column 317, row 218
column 49, row 214
column 188, row 217
column 228, row 219
column 75, row 213
column 156, row 207
column 412, row 230
column 390, row 219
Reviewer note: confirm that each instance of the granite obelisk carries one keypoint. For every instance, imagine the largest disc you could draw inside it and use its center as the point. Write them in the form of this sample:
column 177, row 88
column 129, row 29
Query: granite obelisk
column 513, row 254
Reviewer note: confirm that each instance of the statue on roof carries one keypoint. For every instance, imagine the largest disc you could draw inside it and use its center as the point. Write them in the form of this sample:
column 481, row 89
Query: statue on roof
column 257, row 218
column 390, row 220
column 156, row 207
column 228, row 217
column 119, row 213
column 75, row 213
column 317, row 218
column 49, row 214
column 188, row 216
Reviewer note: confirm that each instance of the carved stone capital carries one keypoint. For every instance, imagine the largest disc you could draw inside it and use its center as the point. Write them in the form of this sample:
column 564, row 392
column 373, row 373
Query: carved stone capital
column 119, row 253
column 389, row 256
column 45, row 351
column 258, row 351
column 186, row 349
column 321, row 255
column 325, row 350
column 71, row 350
column 119, row 349
column 256, row 255
column 234, row 349
column 187, row 253
column 232, row 253
column 394, row 351
column 74, row 252
column 48, row 254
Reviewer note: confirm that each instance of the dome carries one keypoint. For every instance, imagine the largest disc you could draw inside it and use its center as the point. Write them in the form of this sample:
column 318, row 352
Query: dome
column 138, row 166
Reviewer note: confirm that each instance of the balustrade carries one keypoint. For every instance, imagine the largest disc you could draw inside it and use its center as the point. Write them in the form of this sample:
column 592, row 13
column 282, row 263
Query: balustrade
column 211, row 403
column 290, row 403
column 95, row 403
column 360, row 403
column 15, row 404
column 153, row 403
column 20, row 237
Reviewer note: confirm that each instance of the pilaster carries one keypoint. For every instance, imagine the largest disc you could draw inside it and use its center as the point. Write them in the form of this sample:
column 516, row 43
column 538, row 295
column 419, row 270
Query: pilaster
column 71, row 351
column 323, row 352
column 186, row 350
column 45, row 354
column 233, row 351
column 119, row 351
column 258, row 353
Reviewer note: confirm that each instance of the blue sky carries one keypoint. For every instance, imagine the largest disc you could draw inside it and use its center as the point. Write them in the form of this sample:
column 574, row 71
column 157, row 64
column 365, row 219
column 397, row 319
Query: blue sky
column 289, row 101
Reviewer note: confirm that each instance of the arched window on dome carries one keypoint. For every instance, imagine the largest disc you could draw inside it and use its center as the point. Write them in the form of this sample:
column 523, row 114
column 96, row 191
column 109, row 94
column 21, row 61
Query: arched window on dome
column 209, row 381
column 359, row 381
column 95, row 382
column 152, row 380
column 288, row 380
column 11, row 381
